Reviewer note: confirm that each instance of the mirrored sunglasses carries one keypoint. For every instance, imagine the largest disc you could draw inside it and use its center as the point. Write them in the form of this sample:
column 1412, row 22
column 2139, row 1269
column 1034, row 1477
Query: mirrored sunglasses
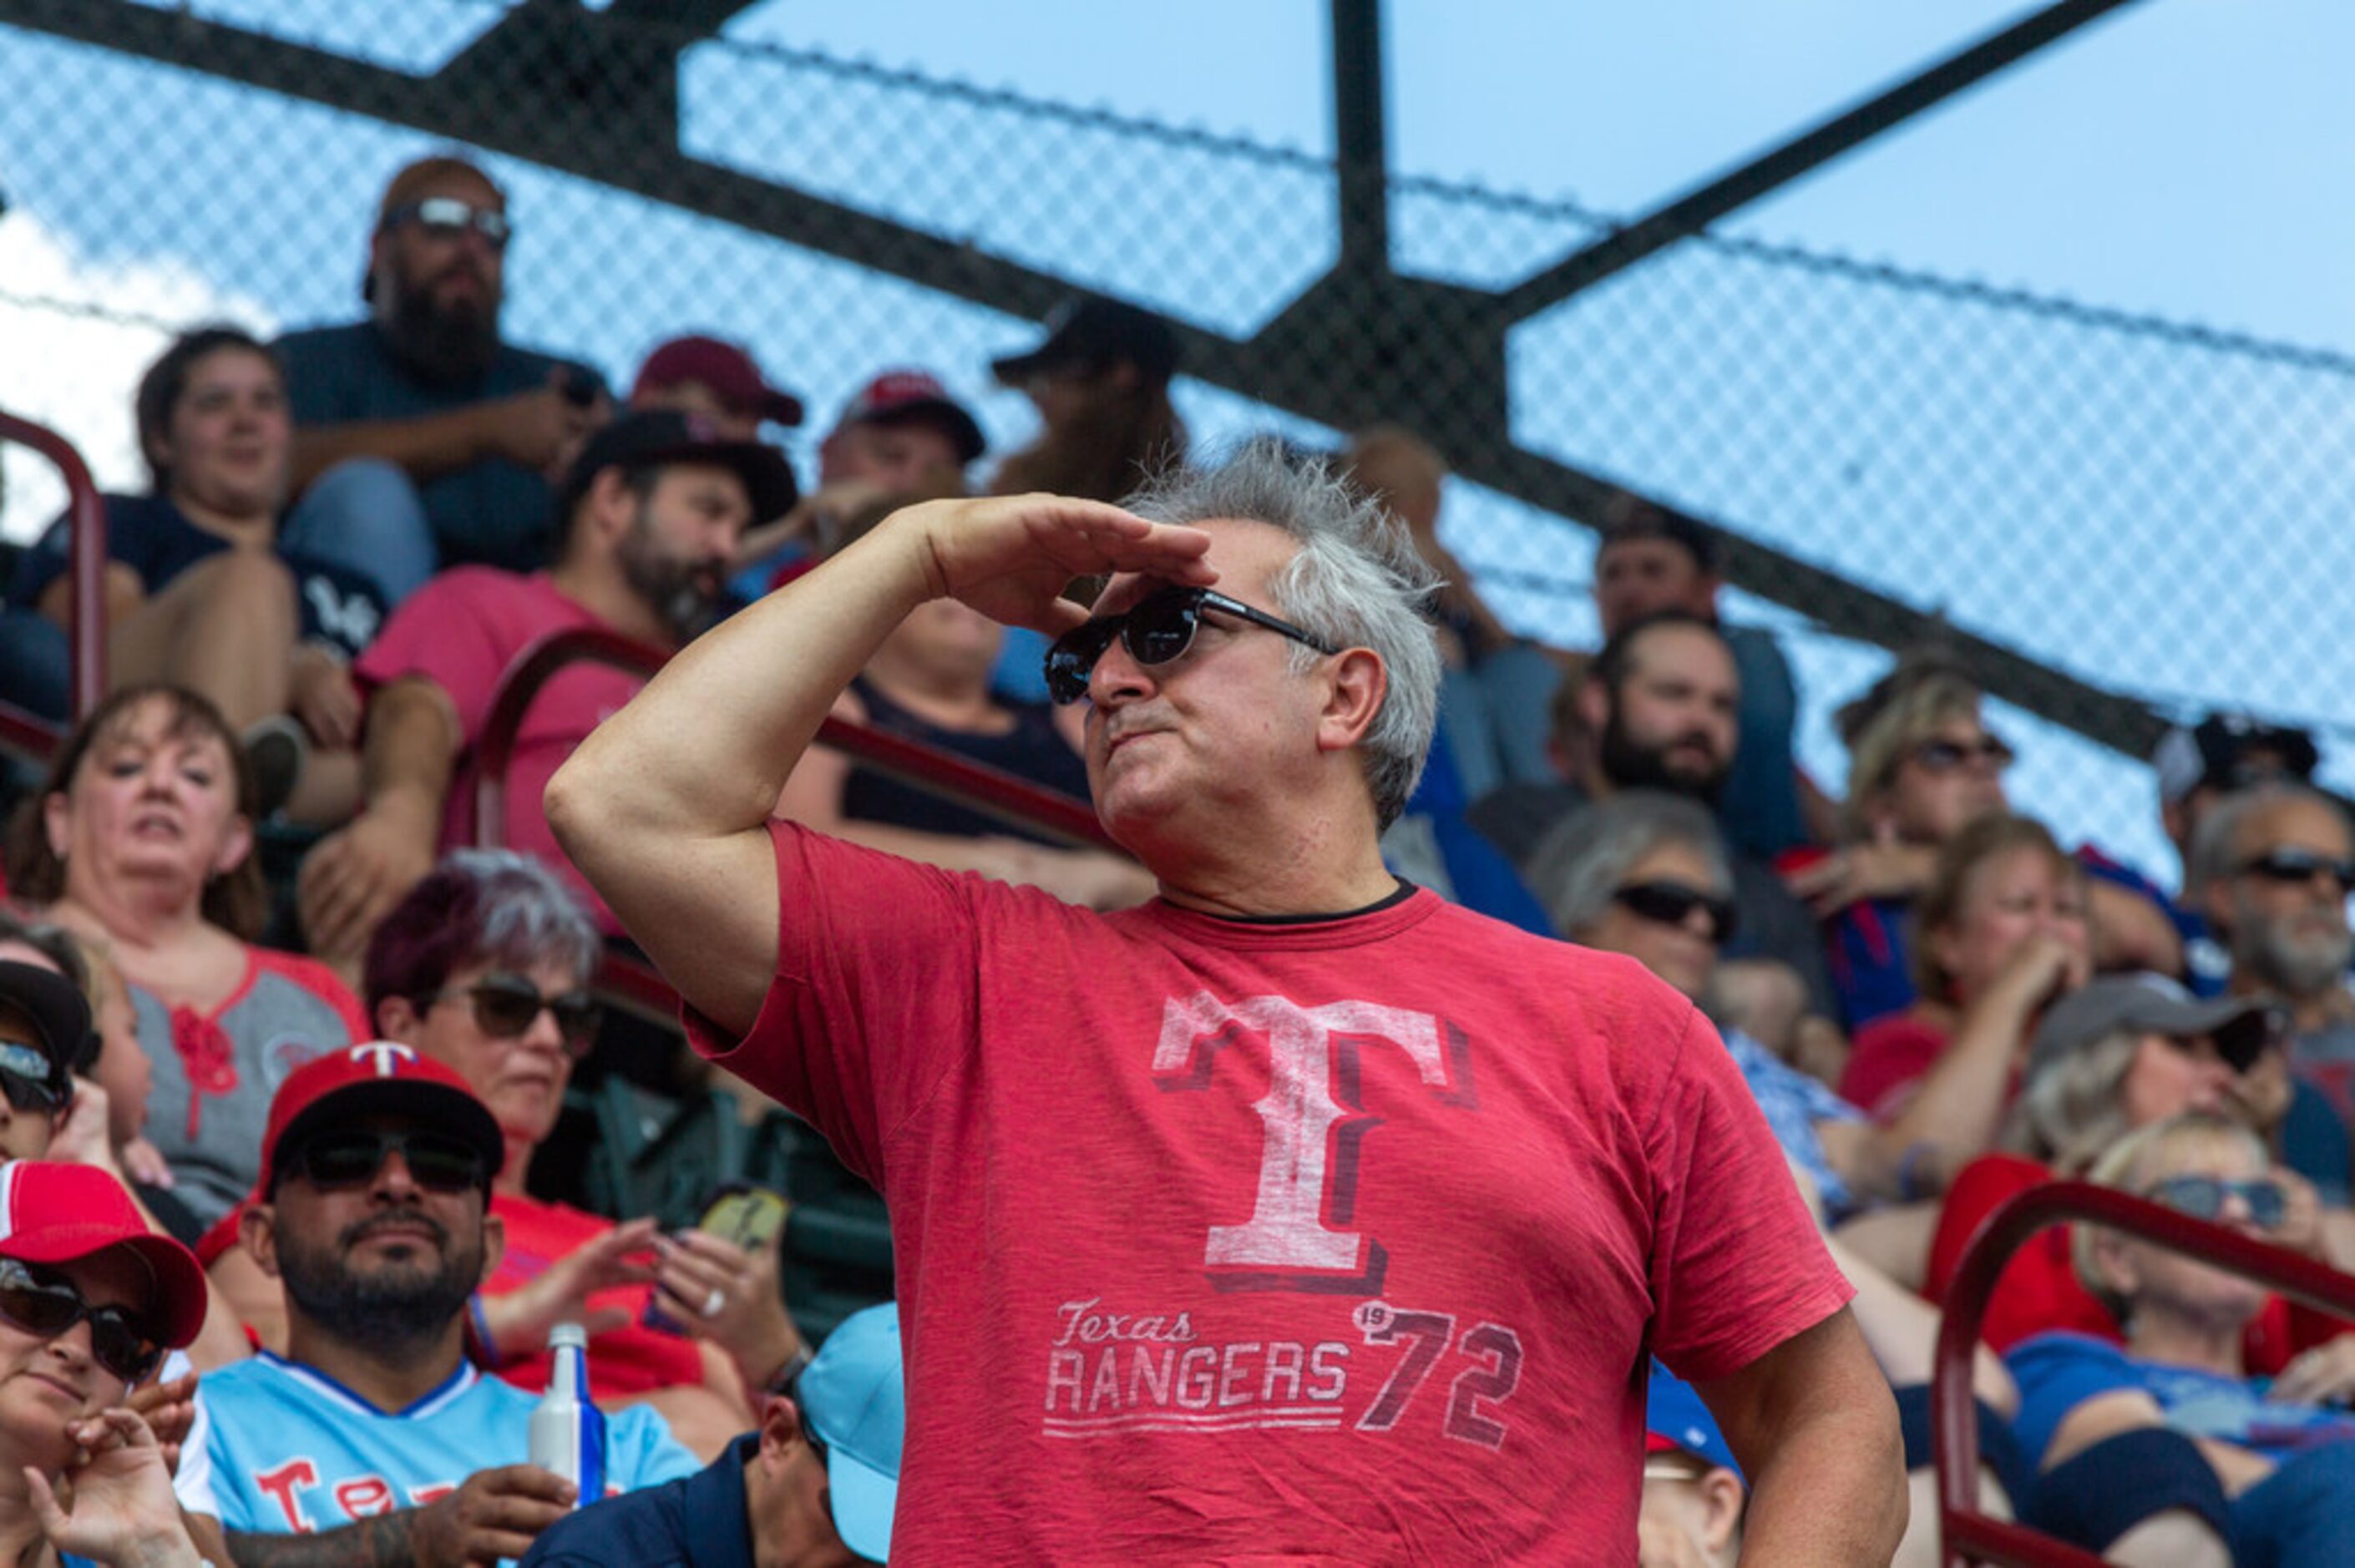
column 1156, row 629
column 2204, row 1198
column 446, row 217
column 42, row 1302
column 29, row 1078
column 349, row 1157
column 1672, row 903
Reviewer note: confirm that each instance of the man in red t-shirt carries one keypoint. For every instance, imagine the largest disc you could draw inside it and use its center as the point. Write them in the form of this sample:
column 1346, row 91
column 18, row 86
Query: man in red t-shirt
column 1297, row 1212
column 652, row 511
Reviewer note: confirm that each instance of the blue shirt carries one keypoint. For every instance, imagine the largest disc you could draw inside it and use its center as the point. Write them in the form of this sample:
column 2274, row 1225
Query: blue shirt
column 699, row 1521
column 1793, row 1102
column 294, row 1451
column 2059, row 1371
column 493, row 513
column 1760, row 804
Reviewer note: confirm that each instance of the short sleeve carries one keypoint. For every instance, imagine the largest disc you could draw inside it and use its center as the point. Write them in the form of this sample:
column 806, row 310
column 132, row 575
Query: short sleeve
column 645, row 1453
column 450, row 632
column 1892, row 1057
column 324, row 983
column 1737, row 1265
column 877, row 991
column 2056, row 1373
column 322, row 383
column 193, row 1482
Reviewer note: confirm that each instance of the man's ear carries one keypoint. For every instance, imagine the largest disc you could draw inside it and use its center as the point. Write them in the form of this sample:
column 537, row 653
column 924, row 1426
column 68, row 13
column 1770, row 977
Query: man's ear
column 257, row 1230
column 609, row 505
column 781, row 1432
column 1723, row 1500
column 1593, row 705
column 1355, row 697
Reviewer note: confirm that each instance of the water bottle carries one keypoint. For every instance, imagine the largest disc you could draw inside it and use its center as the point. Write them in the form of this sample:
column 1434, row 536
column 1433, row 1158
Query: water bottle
column 567, row 1432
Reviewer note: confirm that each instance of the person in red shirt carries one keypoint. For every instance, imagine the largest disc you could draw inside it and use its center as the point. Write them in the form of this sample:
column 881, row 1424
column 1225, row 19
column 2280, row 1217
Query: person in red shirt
column 1297, row 1211
column 652, row 511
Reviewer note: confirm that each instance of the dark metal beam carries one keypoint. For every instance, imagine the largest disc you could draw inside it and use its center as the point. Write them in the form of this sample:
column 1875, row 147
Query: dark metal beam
column 1360, row 136
column 1686, row 214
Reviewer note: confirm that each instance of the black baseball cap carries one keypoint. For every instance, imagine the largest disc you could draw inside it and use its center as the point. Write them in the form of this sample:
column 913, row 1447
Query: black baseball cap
column 656, row 436
column 60, row 1018
column 1094, row 330
column 2216, row 753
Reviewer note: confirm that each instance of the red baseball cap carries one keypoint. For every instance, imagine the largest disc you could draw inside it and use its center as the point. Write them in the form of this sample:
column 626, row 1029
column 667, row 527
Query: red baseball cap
column 381, row 1075
column 51, row 1212
column 727, row 369
column 912, row 397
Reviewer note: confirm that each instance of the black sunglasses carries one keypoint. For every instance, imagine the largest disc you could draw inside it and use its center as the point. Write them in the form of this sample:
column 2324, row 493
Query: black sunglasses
column 44, row 1302
column 1672, row 903
column 1155, row 629
column 437, row 1161
column 2202, row 1197
column 1949, row 755
column 30, row 1079
column 447, row 216
column 2289, row 864
column 507, row 1004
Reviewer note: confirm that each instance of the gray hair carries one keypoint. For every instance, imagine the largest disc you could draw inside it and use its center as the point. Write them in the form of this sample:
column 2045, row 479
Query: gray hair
column 2072, row 1110
column 1357, row 582
column 527, row 914
column 2216, row 842
column 1581, row 864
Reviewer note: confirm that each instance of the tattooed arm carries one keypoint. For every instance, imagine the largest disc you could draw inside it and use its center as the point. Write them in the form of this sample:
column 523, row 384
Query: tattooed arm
column 494, row 1515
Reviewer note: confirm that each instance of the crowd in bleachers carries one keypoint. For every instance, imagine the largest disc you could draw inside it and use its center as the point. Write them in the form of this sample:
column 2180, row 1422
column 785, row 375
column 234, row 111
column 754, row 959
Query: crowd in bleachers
column 327, row 1086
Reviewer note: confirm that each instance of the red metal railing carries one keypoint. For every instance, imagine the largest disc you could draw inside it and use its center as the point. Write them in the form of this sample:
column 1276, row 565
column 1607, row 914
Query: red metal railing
column 86, row 563
column 1970, row 1536
column 927, row 767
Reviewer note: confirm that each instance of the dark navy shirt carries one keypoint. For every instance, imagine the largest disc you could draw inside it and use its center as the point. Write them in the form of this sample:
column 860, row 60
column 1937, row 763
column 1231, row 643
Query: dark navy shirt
column 699, row 1521
column 1033, row 749
column 494, row 513
column 155, row 539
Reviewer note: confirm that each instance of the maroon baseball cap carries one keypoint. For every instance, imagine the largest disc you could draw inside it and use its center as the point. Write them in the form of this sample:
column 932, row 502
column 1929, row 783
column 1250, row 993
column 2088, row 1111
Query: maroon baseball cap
column 51, row 1212
column 725, row 367
column 914, row 397
column 361, row 1080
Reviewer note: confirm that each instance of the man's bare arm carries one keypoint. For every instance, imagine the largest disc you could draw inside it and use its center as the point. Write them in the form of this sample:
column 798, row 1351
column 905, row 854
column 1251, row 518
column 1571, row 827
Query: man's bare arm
column 426, row 447
column 496, row 1514
column 354, row 875
column 664, row 807
column 1815, row 1429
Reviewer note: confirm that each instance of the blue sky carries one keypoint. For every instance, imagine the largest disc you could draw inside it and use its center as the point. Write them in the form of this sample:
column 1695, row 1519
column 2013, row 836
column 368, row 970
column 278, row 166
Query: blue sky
column 2132, row 506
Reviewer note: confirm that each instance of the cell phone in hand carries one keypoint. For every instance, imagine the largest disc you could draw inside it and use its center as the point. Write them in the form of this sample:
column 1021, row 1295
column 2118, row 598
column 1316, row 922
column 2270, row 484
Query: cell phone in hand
column 749, row 1216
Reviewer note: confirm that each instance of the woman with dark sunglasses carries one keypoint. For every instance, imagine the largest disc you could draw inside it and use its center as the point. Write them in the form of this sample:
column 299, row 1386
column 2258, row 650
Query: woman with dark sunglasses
column 484, row 967
column 89, row 1303
column 2270, row 1463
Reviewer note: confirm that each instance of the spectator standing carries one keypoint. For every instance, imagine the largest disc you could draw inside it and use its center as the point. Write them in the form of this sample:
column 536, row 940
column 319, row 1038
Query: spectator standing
column 2272, row 868
column 422, row 440
column 141, row 837
column 812, row 1486
column 199, row 588
column 654, row 510
column 1250, row 760
column 376, row 1172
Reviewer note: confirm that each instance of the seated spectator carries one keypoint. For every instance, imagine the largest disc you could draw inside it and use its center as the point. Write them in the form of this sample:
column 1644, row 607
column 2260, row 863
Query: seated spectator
column 1921, row 767
column 199, row 589
column 2003, row 931
column 2196, row 767
column 2272, row 868
column 484, row 967
column 902, row 438
column 652, row 512
column 141, row 837
column 1694, row 1495
column 812, row 1486
column 422, row 440
column 2122, row 1054
column 90, row 1302
column 1659, row 703
column 930, row 680
column 2279, row 1455
column 720, row 380
column 374, row 1429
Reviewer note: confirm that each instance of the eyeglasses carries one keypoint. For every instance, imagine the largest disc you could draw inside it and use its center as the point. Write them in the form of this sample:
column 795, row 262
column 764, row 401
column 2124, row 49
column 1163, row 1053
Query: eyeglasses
column 2203, row 1197
column 1953, row 755
column 505, row 1005
column 1672, row 903
column 44, row 1302
column 1155, row 631
column 29, row 1078
column 437, row 1161
column 446, row 217
column 2288, row 863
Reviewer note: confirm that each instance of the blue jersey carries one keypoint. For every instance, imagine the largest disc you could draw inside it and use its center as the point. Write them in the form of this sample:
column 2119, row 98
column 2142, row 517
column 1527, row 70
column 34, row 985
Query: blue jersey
column 294, row 1451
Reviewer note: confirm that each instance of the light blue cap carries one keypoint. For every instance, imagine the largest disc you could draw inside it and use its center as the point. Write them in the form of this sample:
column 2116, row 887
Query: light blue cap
column 855, row 1399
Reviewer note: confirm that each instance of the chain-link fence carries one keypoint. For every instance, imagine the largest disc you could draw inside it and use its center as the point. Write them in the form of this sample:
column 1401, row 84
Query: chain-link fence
column 2140, row 509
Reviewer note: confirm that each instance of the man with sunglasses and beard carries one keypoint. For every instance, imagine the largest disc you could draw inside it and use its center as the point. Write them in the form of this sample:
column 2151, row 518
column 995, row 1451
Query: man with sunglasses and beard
column 373, row 1438
column 1297, row 1211
column 652, row 511
column 422, row 440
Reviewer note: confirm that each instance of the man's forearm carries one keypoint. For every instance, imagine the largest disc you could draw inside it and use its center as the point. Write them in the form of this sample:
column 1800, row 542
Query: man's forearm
column 410, row 746
column 425, row 448
column 1831, row 1492
column 386, row 1539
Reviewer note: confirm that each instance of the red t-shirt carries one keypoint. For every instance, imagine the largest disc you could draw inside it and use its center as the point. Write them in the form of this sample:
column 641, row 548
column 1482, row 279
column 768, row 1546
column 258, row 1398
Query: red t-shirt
column 1891, row 1057
column 461, row 630
column 1228, row 1241
column 625, row 1360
